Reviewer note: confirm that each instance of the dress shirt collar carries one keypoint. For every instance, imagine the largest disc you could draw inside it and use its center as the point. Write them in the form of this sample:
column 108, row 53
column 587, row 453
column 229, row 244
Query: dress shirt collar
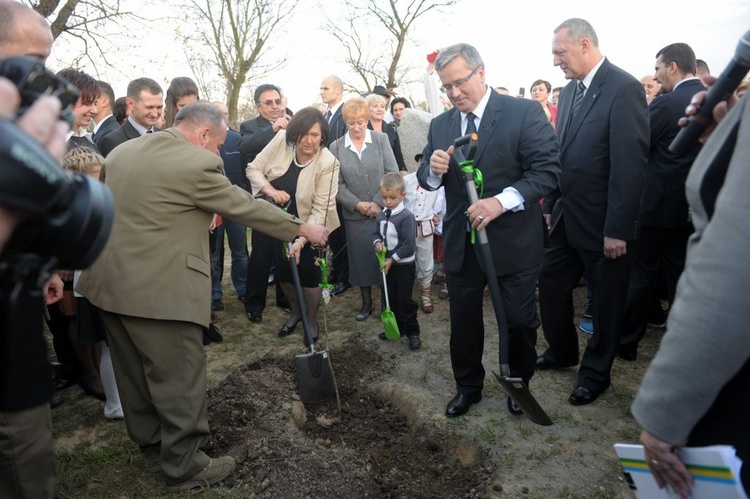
column 98, row 124
column 479, row 110
column 590, row 77
column 141, row 129
column 682, row 81
column 348, row 140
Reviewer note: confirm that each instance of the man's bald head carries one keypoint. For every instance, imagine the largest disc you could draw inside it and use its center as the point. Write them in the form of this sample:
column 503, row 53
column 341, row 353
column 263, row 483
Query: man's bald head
column 23, row 31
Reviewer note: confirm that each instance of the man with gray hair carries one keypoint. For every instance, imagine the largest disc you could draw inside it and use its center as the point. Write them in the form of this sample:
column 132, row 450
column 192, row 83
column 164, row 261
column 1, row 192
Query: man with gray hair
column 517, row 155
column 153, row 284
column 602, row 127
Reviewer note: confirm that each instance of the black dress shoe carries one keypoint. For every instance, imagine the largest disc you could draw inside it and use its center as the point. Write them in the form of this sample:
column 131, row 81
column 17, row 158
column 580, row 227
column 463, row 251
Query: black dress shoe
column 363, row 314
column 62, row 383
column 255, row 317
column 582, row 396
column 340, row 287
column 217, row 305
column 56, row 400
column 543, row 363
column 459, row 405
column 213, row 334
column 414, row 342
column 90, row 390
column 514, row 408
column 287, row 330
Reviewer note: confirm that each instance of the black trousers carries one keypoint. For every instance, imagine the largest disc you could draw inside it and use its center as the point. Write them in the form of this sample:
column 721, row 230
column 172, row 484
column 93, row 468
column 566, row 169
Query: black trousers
column 561, row 270
column 656, row 250
column 466, row 291
column 337, row 242
column 258, row 268
column 400, row 279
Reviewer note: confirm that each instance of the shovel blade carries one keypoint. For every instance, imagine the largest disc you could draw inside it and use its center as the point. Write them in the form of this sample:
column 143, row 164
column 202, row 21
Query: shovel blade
column 519, row 392
column 315, row 377
column 390, row 325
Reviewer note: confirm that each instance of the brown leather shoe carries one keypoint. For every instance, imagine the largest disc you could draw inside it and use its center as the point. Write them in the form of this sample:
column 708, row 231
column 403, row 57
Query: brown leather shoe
column 217, row 470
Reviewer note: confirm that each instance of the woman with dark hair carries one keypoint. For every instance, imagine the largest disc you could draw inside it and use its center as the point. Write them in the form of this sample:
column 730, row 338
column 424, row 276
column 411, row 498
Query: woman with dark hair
column 540, row 90
column 397, row 109
column 182, row 91
column 297, row 173
column 85, row 107
column 365, row 156
column 120, row 110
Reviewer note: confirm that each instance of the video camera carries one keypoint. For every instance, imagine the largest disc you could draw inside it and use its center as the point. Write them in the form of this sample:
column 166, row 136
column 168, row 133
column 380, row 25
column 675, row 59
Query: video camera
column 67, row 217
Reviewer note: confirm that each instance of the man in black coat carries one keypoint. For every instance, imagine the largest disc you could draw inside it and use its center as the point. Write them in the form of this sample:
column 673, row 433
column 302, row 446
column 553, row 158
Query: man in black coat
column 145, row 100
column 518, row 157
column 665, row 215
column 602, row 125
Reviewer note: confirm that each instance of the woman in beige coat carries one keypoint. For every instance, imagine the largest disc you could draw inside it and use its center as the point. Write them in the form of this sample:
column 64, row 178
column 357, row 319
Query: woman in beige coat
column 294, row 171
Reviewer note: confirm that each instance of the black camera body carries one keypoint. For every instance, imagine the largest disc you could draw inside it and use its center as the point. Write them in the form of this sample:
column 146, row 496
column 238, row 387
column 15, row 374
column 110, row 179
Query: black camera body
column 66, row 217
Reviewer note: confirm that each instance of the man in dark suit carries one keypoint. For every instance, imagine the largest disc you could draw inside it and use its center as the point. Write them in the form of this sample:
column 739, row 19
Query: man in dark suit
column 602, row 127
column 332, row 95
column 517, row 155
column 234, row 168
column 146, row 103
column 256, row 134
column 105, row 120
column 152, row 283
column 665, row 216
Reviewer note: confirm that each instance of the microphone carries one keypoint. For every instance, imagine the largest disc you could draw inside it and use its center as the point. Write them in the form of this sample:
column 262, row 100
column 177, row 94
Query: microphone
column 729, row 80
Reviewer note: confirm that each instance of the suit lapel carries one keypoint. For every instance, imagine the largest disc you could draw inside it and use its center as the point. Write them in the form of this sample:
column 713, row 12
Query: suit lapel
column 487, row 125
column 592, row 93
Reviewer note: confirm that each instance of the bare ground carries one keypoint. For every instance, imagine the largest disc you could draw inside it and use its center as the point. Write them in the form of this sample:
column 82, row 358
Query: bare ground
column 391, row 438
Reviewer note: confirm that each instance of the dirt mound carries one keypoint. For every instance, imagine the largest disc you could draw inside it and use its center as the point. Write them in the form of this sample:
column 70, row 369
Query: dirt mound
column 286, row 449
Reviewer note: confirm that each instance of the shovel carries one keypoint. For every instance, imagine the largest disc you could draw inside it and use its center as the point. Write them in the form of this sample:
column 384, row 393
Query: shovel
column 314, row 373
column 514, row 387
column 389, row 320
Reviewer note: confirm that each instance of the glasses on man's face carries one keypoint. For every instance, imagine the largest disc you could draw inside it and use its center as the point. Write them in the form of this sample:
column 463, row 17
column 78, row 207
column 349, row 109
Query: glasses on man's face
column 356, row 124
column 448, row 87
column 271, row 102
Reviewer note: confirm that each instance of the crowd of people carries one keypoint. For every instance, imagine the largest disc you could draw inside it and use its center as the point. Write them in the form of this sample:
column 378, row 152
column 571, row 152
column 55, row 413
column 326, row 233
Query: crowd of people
column 576, row 182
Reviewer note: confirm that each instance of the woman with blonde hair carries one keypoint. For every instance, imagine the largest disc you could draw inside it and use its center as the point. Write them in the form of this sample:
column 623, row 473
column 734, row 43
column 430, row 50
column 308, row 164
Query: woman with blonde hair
column 365, row 156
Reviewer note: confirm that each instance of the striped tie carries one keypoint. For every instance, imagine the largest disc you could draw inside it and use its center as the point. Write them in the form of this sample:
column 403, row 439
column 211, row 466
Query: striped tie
column 580, row 90
column 471, row 127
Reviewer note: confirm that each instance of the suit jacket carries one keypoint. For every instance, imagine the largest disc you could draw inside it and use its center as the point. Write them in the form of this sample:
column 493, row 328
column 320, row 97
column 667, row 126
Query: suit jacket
column 156, row 264
column 123, row 134
column 256, row 134
column 603, row 153
column 234, row 161
column 664, row 204
column 337, row 126
column 108, row 125
column 516, row 148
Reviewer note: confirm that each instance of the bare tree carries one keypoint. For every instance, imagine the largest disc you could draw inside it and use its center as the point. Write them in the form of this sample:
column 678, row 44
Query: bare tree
column 367, row 57
column 237, row 34
column 83, row 21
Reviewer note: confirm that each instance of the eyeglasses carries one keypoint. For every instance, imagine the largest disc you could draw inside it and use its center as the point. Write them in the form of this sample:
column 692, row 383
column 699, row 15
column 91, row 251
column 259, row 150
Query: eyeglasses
column 270, row 102
column 448, row 87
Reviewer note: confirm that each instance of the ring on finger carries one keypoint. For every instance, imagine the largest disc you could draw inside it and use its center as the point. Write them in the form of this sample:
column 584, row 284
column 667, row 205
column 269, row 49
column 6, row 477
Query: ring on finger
column 660, row 465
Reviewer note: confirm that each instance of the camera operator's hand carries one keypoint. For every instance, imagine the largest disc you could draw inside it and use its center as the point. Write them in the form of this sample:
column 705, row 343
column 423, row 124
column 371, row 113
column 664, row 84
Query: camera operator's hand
column 53, row 290
column 41, row 121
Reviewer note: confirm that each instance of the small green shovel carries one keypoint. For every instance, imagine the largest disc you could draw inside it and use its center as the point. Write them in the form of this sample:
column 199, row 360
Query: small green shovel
column 389, row 320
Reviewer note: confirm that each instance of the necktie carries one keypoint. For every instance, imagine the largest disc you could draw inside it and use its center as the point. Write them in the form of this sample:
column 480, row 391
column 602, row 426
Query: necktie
column 471, row 127
column 580, row 89
column 387, row 213
column 328, row 116
column 150, row 130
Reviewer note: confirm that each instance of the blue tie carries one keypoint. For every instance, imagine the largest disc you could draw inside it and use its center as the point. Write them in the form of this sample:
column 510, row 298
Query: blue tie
column 387, row 213
column 471, row 127
column 328, row 116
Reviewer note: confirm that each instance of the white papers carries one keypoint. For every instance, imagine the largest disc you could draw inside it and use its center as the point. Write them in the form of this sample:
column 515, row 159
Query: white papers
column 715, row 470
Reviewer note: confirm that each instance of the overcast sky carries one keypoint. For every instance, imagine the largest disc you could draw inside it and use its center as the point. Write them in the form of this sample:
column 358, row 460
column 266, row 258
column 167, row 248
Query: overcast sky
column 514, row 39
